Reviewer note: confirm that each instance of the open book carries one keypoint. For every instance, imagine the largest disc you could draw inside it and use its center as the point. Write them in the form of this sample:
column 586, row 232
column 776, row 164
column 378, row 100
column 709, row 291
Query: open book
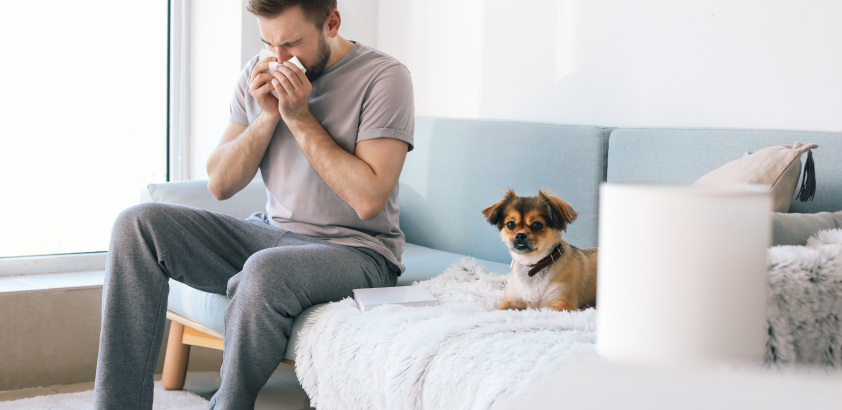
column 368, row 299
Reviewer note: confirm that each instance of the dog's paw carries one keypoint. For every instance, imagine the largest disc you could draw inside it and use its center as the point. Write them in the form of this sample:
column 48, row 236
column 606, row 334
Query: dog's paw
column 512, row 305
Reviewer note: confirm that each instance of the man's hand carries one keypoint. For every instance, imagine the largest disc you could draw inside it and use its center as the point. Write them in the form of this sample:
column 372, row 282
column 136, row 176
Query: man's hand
column 294, row 90
column 260, row 87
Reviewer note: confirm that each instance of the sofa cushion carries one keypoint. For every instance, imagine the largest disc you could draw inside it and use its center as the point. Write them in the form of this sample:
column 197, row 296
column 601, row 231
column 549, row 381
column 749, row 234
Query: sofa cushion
column 423, row 263
column 460, row 167
column 250, row 199
column 680, row 155
column 208, row 309
column 777, row 166
column 795, row 229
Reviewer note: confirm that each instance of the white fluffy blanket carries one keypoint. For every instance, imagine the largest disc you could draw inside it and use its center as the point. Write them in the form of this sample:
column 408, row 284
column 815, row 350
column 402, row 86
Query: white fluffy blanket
column 463, row 354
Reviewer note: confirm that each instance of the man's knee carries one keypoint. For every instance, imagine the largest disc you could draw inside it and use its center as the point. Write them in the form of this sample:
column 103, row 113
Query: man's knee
column 259, row 272
column 266, row 274
column 145, row 214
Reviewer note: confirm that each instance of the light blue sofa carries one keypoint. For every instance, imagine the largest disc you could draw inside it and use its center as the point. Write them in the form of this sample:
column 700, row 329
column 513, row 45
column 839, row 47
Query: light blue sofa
column 459, row 167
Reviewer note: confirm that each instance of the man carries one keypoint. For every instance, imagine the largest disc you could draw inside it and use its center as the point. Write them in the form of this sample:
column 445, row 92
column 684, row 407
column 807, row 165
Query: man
column 330, row 149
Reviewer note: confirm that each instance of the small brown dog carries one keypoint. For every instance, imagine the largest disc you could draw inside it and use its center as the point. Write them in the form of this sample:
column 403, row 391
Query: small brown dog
column 546, row 270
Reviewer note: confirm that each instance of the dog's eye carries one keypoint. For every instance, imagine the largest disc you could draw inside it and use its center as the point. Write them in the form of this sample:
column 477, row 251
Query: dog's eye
column 510, row 225
column 536, row 226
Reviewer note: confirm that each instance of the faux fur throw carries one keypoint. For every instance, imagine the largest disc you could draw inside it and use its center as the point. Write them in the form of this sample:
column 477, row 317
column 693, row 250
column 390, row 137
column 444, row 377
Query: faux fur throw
column 805, row 303
column 460, row 354
column 463, row 354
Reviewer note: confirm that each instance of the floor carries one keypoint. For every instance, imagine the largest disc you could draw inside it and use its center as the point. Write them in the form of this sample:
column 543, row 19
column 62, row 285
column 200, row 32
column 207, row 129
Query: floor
column 281, row 392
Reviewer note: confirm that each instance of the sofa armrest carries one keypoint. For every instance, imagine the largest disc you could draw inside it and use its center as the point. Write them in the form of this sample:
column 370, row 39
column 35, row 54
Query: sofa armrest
column 195, row 194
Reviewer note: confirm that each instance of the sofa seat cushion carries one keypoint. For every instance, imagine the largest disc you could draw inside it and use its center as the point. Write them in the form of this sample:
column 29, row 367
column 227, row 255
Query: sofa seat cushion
column 208, row 309
column 423, row 263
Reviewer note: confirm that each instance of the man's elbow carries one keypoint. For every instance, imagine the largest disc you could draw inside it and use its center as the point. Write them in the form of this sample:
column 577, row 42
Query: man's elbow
column 367, row 214
column 213, row 183
column 371, row 210
column 217, row 191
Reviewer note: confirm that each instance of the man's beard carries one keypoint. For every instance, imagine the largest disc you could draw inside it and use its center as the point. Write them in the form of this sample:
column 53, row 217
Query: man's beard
column 322, row 59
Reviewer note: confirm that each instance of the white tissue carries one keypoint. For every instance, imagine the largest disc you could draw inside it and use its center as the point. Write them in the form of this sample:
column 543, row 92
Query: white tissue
column 264, row 54
column 297, row 63
column 273, row 66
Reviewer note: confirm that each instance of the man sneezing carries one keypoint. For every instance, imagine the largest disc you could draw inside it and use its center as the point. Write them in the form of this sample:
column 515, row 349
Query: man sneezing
column 330, row 143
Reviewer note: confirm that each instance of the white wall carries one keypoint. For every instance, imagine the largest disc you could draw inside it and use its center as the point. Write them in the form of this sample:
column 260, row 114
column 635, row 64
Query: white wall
column 719, row 63
column 359, row 20
column 224, row 37
column 215, row 62
column 250, row 41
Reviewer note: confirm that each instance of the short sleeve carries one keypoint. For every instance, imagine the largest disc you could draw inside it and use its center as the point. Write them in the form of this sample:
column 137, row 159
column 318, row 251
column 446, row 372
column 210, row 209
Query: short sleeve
column 388, row 109
column 238, row 101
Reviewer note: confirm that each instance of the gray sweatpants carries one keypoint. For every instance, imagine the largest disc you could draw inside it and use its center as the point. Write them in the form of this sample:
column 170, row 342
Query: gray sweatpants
column 269, row 274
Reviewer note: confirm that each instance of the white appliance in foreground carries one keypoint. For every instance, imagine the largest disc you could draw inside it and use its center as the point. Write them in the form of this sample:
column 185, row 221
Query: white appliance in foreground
column 682, row 274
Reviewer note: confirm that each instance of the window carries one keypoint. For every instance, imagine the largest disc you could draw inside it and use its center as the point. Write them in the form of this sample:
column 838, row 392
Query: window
column 84, row 119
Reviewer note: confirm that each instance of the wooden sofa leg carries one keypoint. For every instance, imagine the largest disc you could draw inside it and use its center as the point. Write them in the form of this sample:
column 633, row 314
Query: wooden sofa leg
column 175, row 361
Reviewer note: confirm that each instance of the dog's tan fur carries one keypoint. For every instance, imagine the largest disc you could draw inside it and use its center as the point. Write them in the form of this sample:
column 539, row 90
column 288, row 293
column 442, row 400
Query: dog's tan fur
column 569, row 283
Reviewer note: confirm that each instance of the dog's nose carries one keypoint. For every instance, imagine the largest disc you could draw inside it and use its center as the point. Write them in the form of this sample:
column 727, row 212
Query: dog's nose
column 520, row 237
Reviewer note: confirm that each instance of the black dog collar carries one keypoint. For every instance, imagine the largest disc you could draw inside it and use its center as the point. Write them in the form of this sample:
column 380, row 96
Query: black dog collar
column 547, row 261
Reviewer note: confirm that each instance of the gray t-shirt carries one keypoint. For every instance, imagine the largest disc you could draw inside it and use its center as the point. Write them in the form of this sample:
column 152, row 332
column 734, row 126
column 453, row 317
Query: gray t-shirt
column 364, row 96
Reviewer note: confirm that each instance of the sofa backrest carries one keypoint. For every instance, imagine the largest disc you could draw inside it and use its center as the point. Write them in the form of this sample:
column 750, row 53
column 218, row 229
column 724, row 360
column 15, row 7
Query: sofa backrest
column 675, row 155
column 459, row 167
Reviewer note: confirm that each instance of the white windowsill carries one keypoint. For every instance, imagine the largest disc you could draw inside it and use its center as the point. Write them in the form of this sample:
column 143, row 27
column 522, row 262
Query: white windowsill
column 52, row 281
column 62, row 263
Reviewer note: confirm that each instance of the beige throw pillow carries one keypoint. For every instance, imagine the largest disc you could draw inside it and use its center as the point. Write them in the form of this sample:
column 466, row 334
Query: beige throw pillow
column 778, row 167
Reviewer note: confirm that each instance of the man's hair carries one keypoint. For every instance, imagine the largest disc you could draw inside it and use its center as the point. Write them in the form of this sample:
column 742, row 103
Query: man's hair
column 315, row 10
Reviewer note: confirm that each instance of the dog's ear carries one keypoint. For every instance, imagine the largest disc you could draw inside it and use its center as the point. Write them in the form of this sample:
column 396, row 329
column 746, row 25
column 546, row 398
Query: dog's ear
column 561, row 212
column 494, row 213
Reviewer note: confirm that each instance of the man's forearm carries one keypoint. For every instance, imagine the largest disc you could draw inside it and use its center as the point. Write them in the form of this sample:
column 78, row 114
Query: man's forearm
column 349, row 177
column 233, row 165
